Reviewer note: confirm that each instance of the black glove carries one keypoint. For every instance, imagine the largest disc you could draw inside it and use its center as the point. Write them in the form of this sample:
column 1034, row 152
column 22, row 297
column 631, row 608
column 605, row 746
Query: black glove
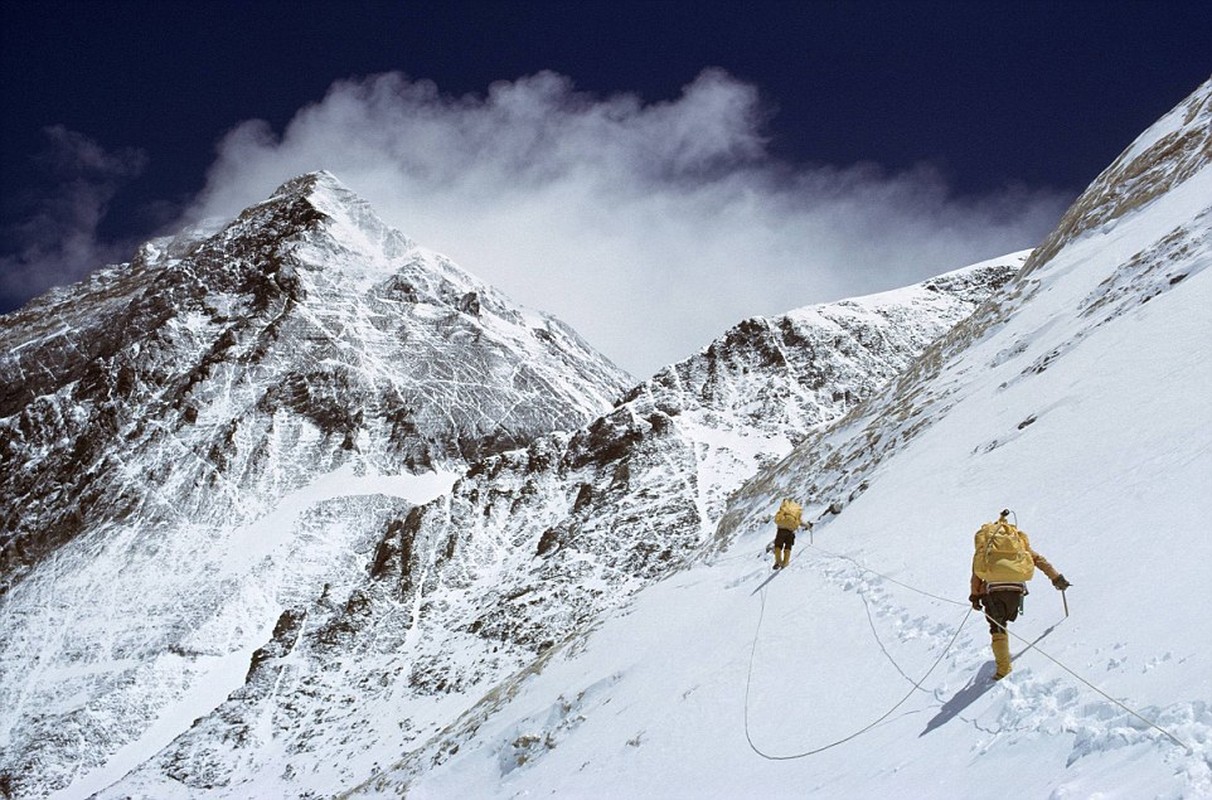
column 1060, row 583
column 975, row 600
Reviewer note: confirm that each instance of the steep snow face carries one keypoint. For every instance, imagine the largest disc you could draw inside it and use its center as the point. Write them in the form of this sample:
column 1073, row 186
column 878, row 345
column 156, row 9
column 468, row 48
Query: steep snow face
column 1104, row 276
column 1079, row 398
column 531, row 545
column 1170, row 152
column 207, row 435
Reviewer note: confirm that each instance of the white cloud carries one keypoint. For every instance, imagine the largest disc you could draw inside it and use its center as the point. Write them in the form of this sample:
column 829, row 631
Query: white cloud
column 57, row 243
column 649, row 227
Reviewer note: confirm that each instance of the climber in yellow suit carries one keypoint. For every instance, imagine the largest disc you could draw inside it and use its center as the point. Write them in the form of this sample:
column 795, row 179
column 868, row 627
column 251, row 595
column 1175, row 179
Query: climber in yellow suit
column 1002, row 564
column 788, row 519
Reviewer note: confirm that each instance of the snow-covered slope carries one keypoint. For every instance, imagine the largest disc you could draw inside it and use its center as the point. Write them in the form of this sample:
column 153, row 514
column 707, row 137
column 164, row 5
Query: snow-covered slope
column 1077, row 397
column 532, row 544
column 194, row 441
column 570, row 619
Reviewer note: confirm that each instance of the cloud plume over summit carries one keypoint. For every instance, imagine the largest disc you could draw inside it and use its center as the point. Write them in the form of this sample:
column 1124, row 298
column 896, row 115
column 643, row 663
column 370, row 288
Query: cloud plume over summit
column 649, row 226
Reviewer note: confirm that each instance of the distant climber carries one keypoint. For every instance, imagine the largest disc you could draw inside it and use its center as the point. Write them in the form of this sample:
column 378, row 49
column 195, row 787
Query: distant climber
column 1001, row 566
column 788, row 519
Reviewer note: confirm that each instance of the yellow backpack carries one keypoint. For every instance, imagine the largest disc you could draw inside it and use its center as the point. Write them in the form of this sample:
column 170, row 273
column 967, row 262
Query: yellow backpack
column 789, row 516
column 1003, row 554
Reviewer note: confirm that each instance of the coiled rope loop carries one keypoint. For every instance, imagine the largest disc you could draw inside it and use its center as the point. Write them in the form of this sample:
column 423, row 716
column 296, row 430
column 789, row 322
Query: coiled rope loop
column 917, row 684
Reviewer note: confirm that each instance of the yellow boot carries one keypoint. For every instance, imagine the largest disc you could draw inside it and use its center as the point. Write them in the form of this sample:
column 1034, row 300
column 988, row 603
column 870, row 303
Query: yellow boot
column 783, row 555
column 1001, row 655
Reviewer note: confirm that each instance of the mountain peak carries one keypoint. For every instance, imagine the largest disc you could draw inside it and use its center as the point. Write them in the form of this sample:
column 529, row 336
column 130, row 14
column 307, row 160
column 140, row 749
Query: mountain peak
column 310, row 182
column 307, row 314
column 324, row 192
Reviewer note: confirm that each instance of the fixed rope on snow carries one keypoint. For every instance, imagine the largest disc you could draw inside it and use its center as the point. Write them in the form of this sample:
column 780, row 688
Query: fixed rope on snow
column 887, row 578
column 917, row 684
column 1031, row 646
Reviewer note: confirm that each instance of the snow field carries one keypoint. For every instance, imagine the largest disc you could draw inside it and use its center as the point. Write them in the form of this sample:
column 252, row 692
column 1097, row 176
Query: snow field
column 1086, row 413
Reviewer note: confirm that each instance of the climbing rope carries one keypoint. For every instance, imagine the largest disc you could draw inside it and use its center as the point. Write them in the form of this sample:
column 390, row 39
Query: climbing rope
column 876, row 635
column 887, row 578
column 1152, row 724
column 916, row 686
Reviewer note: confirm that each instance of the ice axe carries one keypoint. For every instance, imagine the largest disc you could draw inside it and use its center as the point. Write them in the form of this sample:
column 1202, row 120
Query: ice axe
column 1065, row 600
